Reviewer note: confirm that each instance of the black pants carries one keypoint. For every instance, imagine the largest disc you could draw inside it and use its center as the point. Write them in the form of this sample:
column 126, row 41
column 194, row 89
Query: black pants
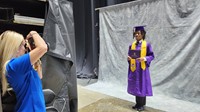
column 140, row 101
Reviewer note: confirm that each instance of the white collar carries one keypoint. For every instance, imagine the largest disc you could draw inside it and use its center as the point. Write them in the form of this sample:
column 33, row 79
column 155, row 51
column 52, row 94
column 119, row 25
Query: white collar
column 140, row 41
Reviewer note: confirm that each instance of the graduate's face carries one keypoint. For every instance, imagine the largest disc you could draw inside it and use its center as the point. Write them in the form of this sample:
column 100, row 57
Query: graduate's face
column 138, row 35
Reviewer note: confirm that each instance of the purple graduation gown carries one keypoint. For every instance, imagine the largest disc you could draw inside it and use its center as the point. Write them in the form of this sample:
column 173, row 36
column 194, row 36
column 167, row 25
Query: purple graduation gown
column 139, row 81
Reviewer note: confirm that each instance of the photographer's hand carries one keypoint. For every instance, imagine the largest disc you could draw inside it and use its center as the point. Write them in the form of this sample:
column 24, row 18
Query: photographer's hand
column 28, row 45
column 38, row 67
column 30, row 35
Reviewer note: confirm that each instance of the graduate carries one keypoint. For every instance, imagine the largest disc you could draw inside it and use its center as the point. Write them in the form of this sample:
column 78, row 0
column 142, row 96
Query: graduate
column 139, row 81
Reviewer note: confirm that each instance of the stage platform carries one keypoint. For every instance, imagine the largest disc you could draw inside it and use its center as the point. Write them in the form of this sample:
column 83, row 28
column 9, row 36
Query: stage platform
column 91, row 101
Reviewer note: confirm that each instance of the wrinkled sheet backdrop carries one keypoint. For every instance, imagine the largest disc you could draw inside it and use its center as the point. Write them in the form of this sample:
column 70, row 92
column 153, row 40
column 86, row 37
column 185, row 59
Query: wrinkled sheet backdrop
column 172, row 29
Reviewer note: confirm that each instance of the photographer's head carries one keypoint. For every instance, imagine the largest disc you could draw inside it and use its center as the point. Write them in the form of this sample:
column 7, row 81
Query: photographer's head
column 11, row 45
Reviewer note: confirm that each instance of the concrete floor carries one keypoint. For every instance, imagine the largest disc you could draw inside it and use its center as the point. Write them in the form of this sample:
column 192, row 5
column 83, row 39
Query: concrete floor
column 158, row 101
column 91, row 101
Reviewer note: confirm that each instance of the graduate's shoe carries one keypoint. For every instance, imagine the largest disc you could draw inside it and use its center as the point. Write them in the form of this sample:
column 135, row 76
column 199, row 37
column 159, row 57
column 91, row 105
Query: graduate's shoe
column 135, row 107
column 140, row 108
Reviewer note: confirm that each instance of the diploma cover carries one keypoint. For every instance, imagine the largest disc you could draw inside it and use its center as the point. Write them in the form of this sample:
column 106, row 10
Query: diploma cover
column 134, row 53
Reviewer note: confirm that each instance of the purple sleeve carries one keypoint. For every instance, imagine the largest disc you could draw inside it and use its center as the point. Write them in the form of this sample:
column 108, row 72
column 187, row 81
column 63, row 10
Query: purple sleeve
column 150, row 54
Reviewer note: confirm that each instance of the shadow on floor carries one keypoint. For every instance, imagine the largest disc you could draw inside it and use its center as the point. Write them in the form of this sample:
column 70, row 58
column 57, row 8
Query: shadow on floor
column 111, row 104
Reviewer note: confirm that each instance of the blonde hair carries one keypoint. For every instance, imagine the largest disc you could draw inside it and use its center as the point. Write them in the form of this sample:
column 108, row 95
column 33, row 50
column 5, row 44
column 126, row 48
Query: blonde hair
column 9, row 45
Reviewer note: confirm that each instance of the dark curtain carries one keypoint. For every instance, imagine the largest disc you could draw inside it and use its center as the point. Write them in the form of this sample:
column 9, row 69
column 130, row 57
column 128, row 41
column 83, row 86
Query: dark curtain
column 86, row 39
column 59, row 64
column 87, row 35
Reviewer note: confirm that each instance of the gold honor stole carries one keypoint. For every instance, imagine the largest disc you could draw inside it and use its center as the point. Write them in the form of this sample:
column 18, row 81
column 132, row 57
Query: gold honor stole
column 142, row 54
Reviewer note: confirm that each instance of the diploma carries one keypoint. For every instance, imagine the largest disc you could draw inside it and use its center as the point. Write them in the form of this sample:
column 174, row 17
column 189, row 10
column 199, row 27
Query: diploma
column 134, row 54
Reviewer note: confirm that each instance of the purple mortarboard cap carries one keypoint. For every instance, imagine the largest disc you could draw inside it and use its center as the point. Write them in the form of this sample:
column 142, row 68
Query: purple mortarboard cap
column 139, row 28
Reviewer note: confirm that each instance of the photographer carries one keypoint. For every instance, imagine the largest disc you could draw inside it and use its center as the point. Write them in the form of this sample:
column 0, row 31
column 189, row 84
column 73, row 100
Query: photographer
column 23, row 71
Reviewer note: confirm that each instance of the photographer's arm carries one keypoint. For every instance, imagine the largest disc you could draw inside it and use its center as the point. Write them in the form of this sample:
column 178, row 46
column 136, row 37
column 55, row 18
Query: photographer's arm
column 40, row 48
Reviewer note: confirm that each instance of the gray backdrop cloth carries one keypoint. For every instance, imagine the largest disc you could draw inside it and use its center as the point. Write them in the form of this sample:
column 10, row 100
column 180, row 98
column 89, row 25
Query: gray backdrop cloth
column 173, row 30
column 59, row 62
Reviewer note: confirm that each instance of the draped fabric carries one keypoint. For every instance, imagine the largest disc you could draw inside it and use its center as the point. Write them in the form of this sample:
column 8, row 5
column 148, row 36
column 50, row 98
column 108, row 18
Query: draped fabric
column 59, row 64
column 172, row 29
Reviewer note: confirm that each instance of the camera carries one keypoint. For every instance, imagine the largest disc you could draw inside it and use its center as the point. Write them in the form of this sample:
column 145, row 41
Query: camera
column 30, row 45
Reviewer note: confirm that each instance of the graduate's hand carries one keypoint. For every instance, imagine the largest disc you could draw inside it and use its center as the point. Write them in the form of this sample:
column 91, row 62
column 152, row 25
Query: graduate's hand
column 128, row 58
column 140, row 59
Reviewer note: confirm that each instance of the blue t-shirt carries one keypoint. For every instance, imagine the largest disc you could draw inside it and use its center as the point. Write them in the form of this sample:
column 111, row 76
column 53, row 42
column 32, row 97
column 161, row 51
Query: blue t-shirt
column 27, row 85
